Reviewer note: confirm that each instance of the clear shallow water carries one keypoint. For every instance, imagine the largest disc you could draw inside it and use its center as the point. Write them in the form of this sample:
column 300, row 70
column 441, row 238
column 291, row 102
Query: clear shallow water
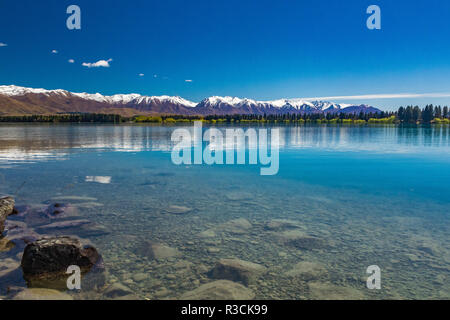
column 372, row 195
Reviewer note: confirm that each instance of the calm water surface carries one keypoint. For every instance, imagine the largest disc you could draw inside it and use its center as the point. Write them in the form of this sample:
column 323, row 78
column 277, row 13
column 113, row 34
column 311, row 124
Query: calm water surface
column 368, row 195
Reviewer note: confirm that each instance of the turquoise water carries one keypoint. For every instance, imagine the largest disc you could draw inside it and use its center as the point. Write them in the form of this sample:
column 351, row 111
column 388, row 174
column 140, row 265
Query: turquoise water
column 372, row 196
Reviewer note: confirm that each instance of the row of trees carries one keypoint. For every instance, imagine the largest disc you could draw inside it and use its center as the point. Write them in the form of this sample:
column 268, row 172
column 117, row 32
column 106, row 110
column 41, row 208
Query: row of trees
column 71, row 117
column 409, row 114
column 428, row 114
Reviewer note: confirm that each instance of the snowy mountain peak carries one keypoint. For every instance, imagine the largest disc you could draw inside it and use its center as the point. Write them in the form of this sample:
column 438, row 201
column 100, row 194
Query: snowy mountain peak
column 13, row 90
column 178, row 105
column 21, row 91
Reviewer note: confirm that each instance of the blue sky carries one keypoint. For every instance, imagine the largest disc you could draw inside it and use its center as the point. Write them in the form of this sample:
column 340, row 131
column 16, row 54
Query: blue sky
column 256, row 49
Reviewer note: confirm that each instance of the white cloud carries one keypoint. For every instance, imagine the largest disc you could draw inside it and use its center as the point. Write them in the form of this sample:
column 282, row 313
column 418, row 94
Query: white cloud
column 3, row 44
column 100, row 63
column 155, row 76
column 141, row 74
column 188, row 80
column 384, row 96
column 71, row 61
column 55, row 51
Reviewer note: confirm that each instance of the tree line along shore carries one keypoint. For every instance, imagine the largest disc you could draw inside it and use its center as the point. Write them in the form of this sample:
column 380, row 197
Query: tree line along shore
column 404, row 115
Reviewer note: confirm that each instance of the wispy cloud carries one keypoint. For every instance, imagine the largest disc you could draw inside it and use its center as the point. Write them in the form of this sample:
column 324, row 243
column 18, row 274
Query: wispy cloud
column 384, row 96
column 141, row 74
column 100, row 63
column 188, row 80
column 71, row 61
column 3, row 44
column 55, row 51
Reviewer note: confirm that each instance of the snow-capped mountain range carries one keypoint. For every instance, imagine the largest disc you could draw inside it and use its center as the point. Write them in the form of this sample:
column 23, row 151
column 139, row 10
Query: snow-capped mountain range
column 15, row 100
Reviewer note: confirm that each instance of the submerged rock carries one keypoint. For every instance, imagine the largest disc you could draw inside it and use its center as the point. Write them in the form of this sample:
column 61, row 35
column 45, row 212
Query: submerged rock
column 74, row 198
column 118, row 291
column 183, row 267
column 237, row 270
column 21, row 210
column 307, row 243
column 239, row 196
column 20, row 233
column 63, row 225
column 7, row 266
column 6, row 208
column 6, row 245
column 38, row 215
column 219, row 290
column 289, row 235
column 41, row 294
column 299, row 239
column 157, row 251
column 283, row 224
column 307, row 271
column 88, row 205
column 328, row 291
column 178, row 210
column 61, row 210
column 236, row 226
column 81, row 227
column 45, row 262
column 207, row 234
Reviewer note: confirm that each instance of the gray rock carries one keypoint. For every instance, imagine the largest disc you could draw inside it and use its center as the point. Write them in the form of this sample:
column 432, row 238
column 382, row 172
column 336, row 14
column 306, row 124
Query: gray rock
column 6, row 208
column 288, row 235
column 161, row 293
column 239, row 196
column 236, row 226
column 177, row 210
column 213, row 250
column 307, row 243
column 7, row 266
column 19, row 233
column 283, row 224
column 63, row 225
column 207, row 234
column 156, row 251
column 61, row 210
column 237, row 270
column 219, row 290
column 307, row 271
column 6, row 245
column 84, row 228
column 300, row 240
column 328, row 291
column 73, row 199
column 140, row 277
column 117, row 290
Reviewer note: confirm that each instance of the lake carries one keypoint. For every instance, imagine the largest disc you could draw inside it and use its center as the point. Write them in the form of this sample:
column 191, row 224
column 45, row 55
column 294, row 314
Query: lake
column 344, row 198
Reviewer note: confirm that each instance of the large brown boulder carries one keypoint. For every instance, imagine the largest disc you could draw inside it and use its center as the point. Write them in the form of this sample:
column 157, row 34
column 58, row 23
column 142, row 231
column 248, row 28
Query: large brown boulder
column 45, row 262
column 6, row 208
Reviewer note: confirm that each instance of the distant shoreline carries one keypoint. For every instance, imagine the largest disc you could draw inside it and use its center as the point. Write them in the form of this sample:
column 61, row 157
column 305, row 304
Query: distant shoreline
column 415, row 117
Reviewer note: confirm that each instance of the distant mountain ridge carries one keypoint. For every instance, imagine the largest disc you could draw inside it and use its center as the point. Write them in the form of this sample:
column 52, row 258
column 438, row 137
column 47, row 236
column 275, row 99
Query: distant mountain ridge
column 15, row 100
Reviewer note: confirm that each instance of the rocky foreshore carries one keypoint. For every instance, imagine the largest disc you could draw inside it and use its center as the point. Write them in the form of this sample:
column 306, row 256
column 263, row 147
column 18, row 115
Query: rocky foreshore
column 43, row 247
